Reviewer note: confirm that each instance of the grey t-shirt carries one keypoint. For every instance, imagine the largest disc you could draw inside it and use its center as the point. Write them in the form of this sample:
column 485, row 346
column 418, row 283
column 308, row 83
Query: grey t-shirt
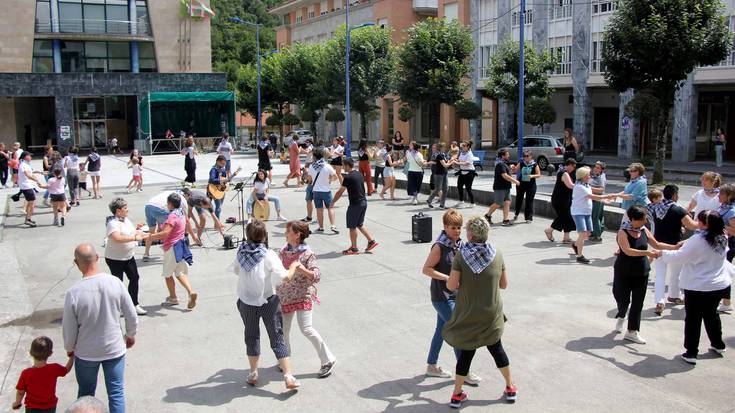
column 199, row 199
column 91, row 323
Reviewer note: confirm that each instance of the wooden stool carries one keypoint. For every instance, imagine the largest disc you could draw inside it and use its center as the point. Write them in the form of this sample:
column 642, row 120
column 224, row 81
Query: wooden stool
column 262, row 212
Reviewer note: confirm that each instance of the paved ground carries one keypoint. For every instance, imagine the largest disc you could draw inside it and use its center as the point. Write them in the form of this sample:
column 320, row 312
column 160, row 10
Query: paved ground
column 375, row 315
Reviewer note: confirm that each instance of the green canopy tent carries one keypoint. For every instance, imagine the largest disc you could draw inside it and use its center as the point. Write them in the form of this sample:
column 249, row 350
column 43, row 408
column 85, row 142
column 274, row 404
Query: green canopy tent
column 205, row 114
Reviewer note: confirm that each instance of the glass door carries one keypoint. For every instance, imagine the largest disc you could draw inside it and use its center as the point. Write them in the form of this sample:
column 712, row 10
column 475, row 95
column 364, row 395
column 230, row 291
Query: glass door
column 85, row 134
column 100, row 134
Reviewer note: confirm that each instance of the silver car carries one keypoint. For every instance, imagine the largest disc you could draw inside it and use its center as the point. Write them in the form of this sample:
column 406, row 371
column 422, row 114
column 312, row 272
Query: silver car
column 300, row 135
column 546, row 150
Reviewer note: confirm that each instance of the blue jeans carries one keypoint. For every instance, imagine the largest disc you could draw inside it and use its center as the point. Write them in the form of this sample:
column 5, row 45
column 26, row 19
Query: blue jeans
column 218, row 206
column 114, row 371
column 444, row 311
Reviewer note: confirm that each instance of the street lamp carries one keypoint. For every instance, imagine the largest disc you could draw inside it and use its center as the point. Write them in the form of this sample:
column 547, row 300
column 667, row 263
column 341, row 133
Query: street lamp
column 257, row 51
column 348, row 29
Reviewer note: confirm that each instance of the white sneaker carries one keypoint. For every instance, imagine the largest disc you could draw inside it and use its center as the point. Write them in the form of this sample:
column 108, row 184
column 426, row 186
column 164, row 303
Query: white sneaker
column 140, row 310
column 437, row 371
column 282, row 218
column 719, row 351
column 619, row 324
column 170, row 302
column 727, row 309
column 634, row 337
column 459, row 205
column 472, row 379
column 415, row 201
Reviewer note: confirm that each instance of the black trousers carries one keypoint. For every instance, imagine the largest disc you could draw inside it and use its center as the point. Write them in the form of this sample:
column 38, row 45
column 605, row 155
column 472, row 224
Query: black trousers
column 630, row 290
column 465, row 181
column 526, row 190
column 379, row 173
column 3, row 174
column 496, row 350
column 129, row 268
column 701, row 306
column 190, row 166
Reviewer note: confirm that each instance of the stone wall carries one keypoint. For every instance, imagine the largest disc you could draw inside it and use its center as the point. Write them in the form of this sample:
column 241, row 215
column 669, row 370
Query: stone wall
column 16, row 35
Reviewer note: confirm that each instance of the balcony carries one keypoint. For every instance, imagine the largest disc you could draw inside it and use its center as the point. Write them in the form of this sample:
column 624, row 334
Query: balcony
column 98, row 28
column 426, row 7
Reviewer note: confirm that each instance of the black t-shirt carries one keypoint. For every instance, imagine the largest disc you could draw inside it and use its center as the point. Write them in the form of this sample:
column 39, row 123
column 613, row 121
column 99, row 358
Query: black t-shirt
column 668, row 229
column 355, row 185
column 438, row 168
column 499, row 182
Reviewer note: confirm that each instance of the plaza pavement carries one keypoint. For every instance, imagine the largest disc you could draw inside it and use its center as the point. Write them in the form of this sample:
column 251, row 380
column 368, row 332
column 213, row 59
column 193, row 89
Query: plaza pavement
column 375, row 315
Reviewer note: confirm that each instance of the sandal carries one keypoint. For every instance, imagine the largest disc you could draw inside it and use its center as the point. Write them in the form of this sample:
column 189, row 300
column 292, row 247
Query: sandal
column 549, row 234
column 253, row 378
column 291, row 382
column 351, row 251
column 567, row 241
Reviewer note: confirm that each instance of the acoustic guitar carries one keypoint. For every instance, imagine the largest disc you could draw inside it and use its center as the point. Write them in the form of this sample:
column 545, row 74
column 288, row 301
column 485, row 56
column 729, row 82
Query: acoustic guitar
column 217, row 191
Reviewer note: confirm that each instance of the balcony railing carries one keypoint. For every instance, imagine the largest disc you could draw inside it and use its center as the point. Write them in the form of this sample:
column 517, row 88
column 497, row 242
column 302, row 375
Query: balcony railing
column 430, row 7
column 89, row 26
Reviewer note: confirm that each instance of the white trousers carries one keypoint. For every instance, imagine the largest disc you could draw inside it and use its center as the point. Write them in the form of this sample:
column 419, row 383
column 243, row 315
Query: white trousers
column 661, row 269
column 303, row 318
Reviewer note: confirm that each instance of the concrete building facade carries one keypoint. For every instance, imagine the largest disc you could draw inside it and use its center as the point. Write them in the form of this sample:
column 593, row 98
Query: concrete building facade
column 313, row 21
column 73, row 71
column 574, row 33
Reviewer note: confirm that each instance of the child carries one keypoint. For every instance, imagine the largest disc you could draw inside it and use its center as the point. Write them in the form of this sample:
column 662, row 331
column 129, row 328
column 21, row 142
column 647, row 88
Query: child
column 38, row 383
column 58, row 198
column 134, row 164
column 83, row 179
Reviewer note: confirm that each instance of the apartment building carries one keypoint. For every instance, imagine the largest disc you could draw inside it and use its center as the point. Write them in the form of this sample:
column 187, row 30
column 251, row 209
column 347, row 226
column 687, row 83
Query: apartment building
column 574, row 33
column 73, row 72
column 312, row 21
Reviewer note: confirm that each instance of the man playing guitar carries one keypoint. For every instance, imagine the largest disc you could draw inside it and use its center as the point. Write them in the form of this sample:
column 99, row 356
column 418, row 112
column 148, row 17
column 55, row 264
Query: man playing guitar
column 218, row 177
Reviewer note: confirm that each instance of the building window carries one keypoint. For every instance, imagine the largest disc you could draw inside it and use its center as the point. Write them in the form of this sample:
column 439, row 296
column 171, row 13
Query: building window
column 451, row 11
column 563, row 57
column 143, row 22
column 323, row 8
column 299, row 18
column 43, row 16
column 146, row 57
column 43, row 61
column 104, row 57
column 604, row 7
column 486, row 54
column 561, row 10
column 310, row 13
column 391, row 127
column 516, row 16
column 597, row 65
column 72, row 57
column 70, row 17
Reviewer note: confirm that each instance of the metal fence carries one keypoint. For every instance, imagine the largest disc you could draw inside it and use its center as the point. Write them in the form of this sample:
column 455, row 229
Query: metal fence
column 89, row 26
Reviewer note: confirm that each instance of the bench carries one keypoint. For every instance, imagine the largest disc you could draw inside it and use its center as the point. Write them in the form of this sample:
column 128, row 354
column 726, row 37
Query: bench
column 480, row 155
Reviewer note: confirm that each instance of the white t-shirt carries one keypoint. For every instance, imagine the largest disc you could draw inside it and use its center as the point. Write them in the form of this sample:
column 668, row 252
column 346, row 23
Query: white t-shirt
column 337, row 151
column 23, row 181
column 705, row 202
column 120, row 251
column 415, row 161
column 225, row 148
column 161, row 201
column 114, row 142
column 254, row 287
column 379, row 158
column 322, row 183
column 467, row 157
column 581, row 204
column 261, row 186
column 136, row 170
column 71, row 161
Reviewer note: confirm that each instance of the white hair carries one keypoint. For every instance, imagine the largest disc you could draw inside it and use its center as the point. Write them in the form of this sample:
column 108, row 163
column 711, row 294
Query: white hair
column 87, row 404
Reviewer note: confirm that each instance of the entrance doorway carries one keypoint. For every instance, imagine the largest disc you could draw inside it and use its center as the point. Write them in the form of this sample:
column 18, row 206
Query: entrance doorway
column 606, row 130
column 98, row 118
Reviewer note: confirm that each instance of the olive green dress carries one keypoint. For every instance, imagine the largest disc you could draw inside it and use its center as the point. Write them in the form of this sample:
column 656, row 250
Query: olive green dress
column 477, row 320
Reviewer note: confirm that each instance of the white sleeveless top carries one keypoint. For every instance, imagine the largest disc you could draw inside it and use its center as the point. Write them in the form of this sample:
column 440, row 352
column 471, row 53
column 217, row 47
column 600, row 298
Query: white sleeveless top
column 705, row 202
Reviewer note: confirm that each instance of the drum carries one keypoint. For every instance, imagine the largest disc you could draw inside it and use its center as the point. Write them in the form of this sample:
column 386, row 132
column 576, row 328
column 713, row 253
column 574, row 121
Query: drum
column 262, row 212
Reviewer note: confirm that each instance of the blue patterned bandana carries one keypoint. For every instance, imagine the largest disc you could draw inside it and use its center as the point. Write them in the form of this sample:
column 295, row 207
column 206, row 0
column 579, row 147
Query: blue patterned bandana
column 250, row 255
column 263, row 144
column 711, row 190
column 725, row 208
column 444, row 240
column 477, row 256
column 628, row 226
column 299, row 248
column 318, row 165
column 660, row 209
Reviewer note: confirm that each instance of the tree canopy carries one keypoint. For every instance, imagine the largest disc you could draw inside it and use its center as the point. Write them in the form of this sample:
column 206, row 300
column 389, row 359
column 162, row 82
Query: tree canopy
column 653, row 45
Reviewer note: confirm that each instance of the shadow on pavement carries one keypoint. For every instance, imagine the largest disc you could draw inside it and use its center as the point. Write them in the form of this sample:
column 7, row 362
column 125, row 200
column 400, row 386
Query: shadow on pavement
column 39, row 319
column 223, row 387
column 649, row 365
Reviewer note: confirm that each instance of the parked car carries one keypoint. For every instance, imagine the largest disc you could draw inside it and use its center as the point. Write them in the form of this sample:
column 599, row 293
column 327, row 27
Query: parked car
column 301, row 135
column 546, row 150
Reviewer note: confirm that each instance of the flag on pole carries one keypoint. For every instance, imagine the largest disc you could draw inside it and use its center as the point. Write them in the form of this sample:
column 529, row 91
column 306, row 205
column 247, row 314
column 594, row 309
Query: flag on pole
column 195, row 8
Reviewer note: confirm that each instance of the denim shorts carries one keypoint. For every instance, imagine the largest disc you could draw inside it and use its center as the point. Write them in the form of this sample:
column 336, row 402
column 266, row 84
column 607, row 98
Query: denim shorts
column 309, row 193
column 583, row 223
column 322, row 199
column 388, row 172
column 155, row 215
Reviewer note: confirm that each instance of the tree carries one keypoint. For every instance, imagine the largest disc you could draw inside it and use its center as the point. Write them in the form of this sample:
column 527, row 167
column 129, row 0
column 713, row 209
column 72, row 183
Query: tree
column 467, row 109
column 235, row 42
column 334, row 115
column 539, row 112
column 433, row 63
column 655, row 44
column 302, row 80
column 503, row 82
column 372, row 64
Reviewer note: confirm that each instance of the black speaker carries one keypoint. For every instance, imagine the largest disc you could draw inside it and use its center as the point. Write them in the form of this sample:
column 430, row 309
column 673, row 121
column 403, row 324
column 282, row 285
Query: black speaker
column 230, row 242
column 421, row 228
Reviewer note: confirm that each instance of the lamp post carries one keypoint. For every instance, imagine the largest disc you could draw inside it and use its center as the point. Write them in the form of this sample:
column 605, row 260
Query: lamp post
column 521, row 77
column 257, row 51
column 348, row 29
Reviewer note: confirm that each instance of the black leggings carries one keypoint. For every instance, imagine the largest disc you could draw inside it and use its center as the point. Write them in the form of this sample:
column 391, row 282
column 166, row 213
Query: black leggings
column 465, row 181
column 3, row 173
column 630, row 291
column 526, row 190
column 379, row 174
column 130, row 268
column 496, row 350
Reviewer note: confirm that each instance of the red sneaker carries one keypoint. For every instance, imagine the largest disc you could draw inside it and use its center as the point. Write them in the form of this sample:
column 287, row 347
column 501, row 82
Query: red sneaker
column 371, row 244
column 510, row 394
column 457, row 399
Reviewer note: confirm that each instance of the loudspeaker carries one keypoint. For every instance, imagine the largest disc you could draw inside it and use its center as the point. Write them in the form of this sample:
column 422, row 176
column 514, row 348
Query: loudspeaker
column 421, row 228
column 230, row 242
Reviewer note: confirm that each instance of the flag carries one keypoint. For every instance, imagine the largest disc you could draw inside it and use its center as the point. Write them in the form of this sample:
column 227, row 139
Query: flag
column 200, row 10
